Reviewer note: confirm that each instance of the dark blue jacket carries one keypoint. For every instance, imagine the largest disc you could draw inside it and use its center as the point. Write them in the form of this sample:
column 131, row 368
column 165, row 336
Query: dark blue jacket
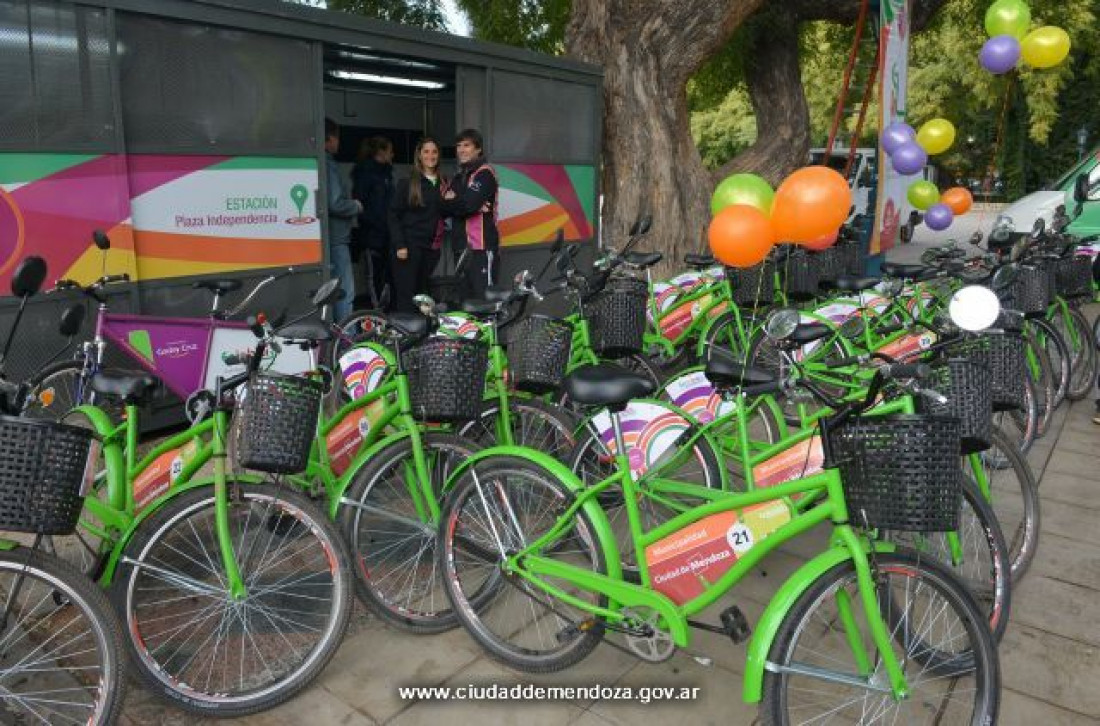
column 372, row 185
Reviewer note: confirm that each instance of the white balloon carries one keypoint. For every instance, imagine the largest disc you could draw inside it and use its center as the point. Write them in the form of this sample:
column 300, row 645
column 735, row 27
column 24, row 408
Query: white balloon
column 974, row 308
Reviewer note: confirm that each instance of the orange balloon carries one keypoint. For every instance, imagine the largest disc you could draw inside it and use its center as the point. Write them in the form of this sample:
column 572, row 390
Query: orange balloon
column 823, row 242
column 741, row 236
column 812, row 202
column 959, row 199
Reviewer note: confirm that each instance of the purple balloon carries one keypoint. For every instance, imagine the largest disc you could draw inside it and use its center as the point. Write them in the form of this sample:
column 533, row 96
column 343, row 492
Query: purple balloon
column 895, row 135
column 909, row 158
column 939, row 217
column 1000, row 54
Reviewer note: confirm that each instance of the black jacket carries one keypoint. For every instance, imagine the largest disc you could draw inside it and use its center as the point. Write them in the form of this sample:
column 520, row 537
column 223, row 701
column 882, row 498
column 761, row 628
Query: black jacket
column 474, row 207
column 372, row 185
column 416, row 226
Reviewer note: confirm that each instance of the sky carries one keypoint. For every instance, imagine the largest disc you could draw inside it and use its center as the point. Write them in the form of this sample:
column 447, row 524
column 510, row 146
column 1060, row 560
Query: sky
column 455, row 19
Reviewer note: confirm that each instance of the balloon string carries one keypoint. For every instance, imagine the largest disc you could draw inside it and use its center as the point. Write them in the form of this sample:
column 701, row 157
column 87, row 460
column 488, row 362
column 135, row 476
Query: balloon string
column 997, row 142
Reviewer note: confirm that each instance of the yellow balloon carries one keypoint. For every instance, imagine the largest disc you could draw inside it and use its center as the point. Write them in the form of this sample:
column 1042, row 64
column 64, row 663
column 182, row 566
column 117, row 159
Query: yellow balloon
column 1045, row 47
column 936, row 136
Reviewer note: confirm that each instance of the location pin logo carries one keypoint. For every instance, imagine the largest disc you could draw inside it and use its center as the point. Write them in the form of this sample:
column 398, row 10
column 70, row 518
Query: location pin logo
column 299, row 195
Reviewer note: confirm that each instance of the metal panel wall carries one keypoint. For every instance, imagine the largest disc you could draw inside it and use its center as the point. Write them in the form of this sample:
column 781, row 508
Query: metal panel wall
column 55, row 84
column 542, row 119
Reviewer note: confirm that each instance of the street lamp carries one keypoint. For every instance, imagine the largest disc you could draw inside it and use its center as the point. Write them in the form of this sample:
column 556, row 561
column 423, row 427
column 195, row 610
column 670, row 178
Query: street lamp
column 1082, row 141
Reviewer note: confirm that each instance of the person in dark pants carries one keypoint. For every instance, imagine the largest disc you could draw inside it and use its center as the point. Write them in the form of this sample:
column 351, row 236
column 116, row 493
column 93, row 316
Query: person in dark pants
column 372, row 185
column 342, row 210
column 416, row 226
column 472, row 201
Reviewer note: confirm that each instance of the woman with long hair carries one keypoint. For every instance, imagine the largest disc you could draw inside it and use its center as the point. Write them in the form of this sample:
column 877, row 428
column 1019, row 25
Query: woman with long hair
column 416, row 226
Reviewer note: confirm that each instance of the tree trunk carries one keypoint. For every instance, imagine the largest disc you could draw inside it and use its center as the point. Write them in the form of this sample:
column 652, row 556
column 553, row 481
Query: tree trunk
column 648, row 50
column 774, row 79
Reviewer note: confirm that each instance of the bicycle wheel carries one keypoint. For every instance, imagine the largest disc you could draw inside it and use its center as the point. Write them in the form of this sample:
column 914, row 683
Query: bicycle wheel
column 61, row 387
column 397, row 573
column 1058, row 353
column 352, row 329
column 726, row 334
column 496, row 507
column 811, row 673
column 60, row 642
column 1040, row 371
column 205, row 652
column 1020, row 426
column 1014, row 496
column 984, row 565
column 1074, row 331
column 535, row 424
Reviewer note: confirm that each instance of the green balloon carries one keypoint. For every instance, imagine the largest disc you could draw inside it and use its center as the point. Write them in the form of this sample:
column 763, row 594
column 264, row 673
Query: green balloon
column 923, row 194
column 1008, row 17
column 748, row 189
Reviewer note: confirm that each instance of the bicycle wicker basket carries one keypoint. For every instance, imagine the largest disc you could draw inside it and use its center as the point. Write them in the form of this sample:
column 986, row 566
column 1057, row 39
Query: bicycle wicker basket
column 447, row 378
column 617, row 316
column 43, row 466
column 752, row 286
column 277, row 422
column 830, row 264
column 539, row 353
column 1031, row 291
column 851, row 251
column 968, row 389
column 1074, row 277
column 900, row 472
column 1005, row 358
column 801, row 276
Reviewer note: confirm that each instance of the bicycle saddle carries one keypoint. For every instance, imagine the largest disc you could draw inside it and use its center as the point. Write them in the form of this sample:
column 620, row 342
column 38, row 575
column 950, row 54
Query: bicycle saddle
column 308, row 332
column 724, row 370
column 130, row 386
column 498, row 293
column 409, row 325
column 808, row 333
column 219, row 287
column 856, row 284
column 643, row 259
column 481, row 308
column 903, row 271
column 694, row 260
column 606, row 384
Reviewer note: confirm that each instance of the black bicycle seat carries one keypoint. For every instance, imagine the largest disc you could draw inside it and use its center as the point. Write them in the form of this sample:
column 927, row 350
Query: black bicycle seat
column 130, row 386
column 499, row 293
column 409, row 325
column 643, row 259
column 310, row 332
column 218, row 287
column 694, row 260
column 481, row 308
column 856, row 284
column 809, row 332
column 903, row 271
column 725, row 370
column 606, row 384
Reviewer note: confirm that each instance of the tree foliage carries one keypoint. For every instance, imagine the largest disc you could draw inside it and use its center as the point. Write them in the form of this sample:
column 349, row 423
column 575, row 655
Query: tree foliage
column 533, row 24
column 426, row 14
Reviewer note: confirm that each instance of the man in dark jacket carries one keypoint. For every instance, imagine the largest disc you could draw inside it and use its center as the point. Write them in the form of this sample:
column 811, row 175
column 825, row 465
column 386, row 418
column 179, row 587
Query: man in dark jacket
column 372, row 185
column 342, row 209
column 472, row 202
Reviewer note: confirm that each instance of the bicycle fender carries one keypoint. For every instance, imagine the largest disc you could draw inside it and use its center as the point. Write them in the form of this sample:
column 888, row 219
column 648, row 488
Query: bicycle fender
column 155, row 506
column 781, row 604
column 567, row 478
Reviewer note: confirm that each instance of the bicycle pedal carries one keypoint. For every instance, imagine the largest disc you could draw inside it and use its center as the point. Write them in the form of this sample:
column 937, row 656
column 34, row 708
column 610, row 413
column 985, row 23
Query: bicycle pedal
column 574, row 630
column 735, row 624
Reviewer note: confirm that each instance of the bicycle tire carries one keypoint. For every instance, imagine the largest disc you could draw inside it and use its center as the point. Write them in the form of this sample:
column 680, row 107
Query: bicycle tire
column 460, row 544
column 60, row 387
column 1083, row 368
column 985, row 568
column 807, row 619
column 371, row 548
column 536, row 424
column 67, row 588
column 1060, row 360
column 1042, row 382
column 282, row 512
column 1014, row 495
column 1021, row 426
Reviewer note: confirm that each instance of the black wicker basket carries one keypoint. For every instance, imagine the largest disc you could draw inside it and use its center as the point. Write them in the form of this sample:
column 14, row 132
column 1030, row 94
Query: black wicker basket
column 539, row 353
column 447, row 378
column 278, row 422
column 752, row 286
column 446, row 289
column 1031, row 291
column 42, row 468
column 851, row 251
column 801, row 277
column 1005, row 357
column 617, row 316
column 1074, row 277
column 830, row 264
column 968, row 389
column 900, row 472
